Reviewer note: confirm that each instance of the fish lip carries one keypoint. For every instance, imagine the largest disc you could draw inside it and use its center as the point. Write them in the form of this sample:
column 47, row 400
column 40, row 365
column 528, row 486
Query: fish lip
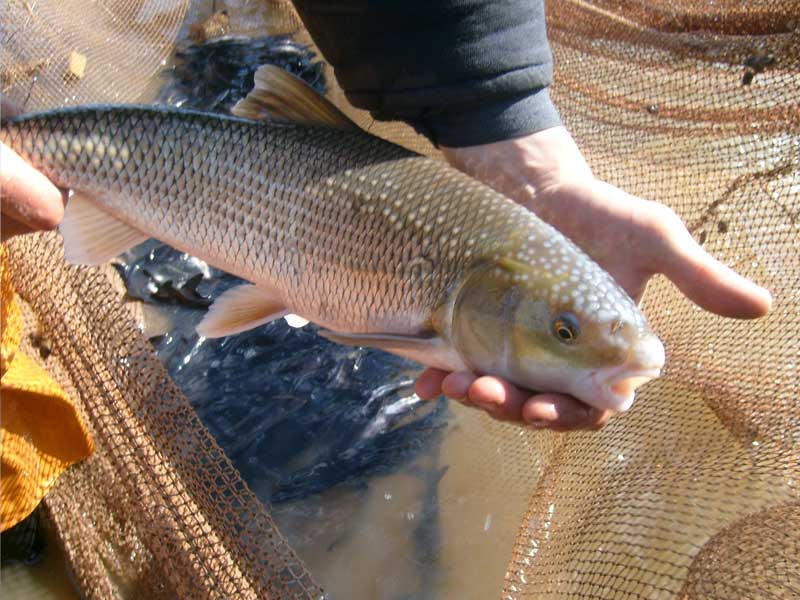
column 649, row 372
column 643, row 363
column 605, row 380
column 621, row 402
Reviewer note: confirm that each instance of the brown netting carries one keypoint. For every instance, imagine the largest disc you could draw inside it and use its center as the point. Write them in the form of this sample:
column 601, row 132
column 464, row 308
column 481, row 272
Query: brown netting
column 692, row 494
column 764, row 546
column 158, row 511
column 695, row 105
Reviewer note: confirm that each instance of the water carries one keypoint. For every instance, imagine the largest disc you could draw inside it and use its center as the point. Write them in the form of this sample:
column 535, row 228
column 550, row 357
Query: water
column 38, row 569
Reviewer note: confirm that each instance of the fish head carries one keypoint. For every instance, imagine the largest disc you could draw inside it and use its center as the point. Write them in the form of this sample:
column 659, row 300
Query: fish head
column 582, row 336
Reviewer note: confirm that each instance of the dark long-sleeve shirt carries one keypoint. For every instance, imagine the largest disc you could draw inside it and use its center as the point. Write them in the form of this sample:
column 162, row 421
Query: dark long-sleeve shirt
column 462, row 72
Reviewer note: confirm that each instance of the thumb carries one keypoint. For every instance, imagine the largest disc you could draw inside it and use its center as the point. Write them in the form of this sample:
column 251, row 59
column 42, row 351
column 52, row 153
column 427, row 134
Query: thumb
column 709, row 283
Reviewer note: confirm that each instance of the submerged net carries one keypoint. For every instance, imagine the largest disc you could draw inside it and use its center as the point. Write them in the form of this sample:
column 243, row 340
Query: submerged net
column 692, row 494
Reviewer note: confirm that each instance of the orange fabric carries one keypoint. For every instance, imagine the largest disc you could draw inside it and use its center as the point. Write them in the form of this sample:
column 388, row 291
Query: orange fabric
column 10, row 316
column 41, row 432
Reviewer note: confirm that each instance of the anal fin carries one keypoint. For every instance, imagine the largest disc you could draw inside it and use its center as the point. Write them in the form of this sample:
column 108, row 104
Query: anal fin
column 241, row 308
column 91, row 235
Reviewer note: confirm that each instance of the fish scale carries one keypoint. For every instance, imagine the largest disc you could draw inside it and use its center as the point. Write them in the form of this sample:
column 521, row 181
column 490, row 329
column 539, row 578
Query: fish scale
column 233, row 193
column 381, row 246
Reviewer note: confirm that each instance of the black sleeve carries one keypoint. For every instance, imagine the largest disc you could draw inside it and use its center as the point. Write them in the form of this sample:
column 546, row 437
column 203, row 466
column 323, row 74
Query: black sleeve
column 462, row 72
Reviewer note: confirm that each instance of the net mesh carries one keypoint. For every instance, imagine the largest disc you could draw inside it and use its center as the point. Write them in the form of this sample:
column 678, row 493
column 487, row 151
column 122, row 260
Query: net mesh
column 158, row 510
column 692, row 494
column 73, row 52
column 696, row 106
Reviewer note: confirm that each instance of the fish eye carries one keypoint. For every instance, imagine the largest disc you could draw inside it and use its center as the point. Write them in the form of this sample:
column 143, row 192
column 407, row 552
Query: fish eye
column 565, row 327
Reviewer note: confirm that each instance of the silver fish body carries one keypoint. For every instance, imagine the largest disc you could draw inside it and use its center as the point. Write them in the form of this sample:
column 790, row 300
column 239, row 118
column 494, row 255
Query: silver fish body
column 353, row 233
column 360, row 234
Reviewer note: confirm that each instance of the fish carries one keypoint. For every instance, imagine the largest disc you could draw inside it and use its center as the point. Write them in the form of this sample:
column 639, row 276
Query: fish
column 378, row 246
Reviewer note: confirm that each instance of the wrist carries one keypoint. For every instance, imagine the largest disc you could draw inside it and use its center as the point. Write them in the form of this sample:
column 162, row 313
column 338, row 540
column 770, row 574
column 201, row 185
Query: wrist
column 526, row 167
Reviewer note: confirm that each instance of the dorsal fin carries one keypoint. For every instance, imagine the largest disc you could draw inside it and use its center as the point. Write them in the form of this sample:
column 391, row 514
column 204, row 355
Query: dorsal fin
column 281, row 96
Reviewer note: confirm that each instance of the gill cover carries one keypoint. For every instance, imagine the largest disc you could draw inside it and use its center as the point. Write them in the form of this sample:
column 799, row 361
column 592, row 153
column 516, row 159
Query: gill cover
column 483, row 318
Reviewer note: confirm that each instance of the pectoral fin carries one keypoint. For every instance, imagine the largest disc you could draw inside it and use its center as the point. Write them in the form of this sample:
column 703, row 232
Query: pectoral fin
column 91, row 235
column 426, row 348
column 239, row 309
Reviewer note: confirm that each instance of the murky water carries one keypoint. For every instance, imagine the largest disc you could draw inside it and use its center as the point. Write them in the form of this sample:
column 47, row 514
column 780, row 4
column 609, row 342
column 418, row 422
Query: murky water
column 44, row 579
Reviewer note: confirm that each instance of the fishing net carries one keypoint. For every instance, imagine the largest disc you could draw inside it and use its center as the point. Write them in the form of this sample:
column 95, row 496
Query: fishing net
column 691, row 494
column 694, row 494
column 72, row 52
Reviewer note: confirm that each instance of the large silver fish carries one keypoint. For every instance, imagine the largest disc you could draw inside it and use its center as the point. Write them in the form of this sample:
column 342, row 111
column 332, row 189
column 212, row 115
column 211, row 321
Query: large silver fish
column 380, row 246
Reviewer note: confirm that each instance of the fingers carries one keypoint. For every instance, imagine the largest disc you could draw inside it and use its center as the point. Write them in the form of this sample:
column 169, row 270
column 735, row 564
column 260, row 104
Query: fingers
column 709, row 283
column 506, row 402
column 9, row 228
column 497, row 397
column 29, row 199
column 560, row 412
column 429, row 384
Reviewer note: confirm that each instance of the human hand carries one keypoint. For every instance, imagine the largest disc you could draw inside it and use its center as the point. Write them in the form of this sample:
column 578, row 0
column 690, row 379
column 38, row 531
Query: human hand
column 631, row 238
column 28, row 199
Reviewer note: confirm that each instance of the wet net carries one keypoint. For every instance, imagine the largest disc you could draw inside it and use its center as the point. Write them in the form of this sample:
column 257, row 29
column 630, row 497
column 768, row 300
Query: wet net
column 692, row 494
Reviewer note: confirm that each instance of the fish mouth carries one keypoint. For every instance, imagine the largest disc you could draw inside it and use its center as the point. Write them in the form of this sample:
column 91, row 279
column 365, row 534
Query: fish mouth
column 622, row 388
column 615, row 387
